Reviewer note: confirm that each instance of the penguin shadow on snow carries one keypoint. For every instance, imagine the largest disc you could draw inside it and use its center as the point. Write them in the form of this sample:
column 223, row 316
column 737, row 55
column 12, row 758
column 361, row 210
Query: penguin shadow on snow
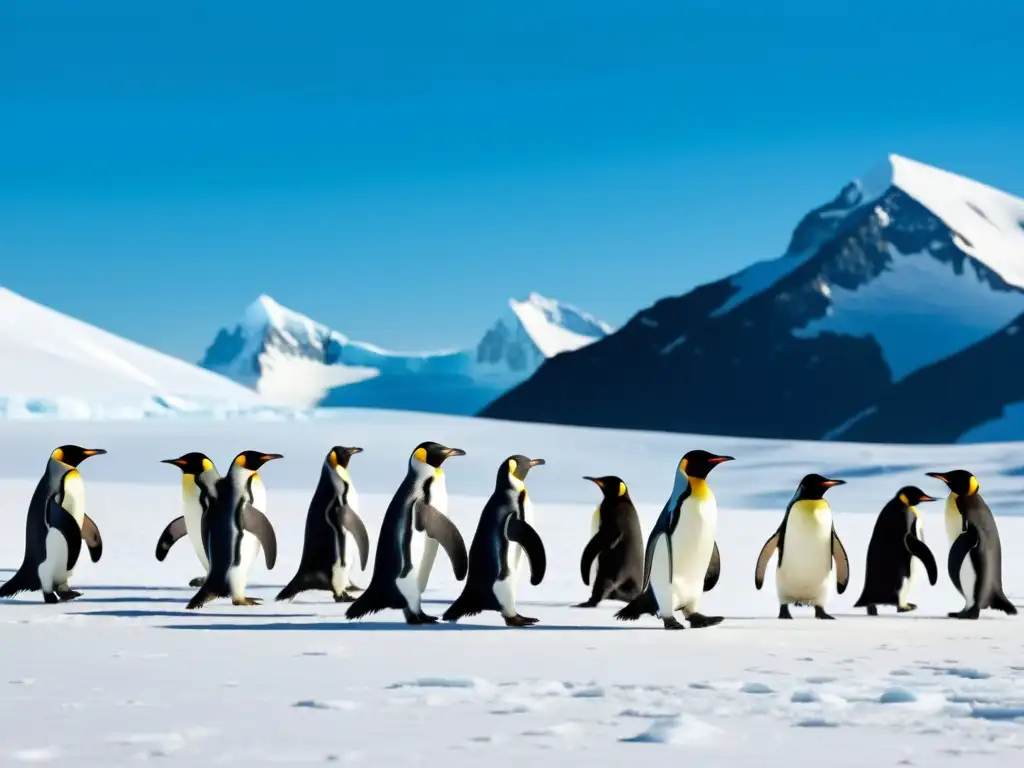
column 388, row 626
column 142, row 613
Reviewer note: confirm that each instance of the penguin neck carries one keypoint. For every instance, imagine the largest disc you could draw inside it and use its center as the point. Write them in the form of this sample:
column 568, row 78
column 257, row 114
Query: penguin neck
column 422, row 470
column 699, row 488
column 952, row 518
column 341, row 472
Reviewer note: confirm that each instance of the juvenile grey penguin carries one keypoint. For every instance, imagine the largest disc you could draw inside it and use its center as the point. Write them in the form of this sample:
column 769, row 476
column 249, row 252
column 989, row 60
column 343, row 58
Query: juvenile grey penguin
column 975, row 561
column 414, row 518
column 235, row 513
column 198, row 485
column 681, row 561
column 895, row 552
column 616, row 544
column 491, row 582
column 55, row 527
column 807, row 543
column 334, row 532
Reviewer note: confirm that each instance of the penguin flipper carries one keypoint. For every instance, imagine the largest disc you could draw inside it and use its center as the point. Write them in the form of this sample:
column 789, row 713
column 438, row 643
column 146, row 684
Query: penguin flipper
column 958, row 551
column 842, row 563
column 526, row 536
column 919, row 549
column 762, row 559
column 256, row 523
column 714, row 569
column 174, row 531
column 91, row 535
column 652, row 545
column 442, row 530
column 603, row 540
column 354, row 525
column 59, row 518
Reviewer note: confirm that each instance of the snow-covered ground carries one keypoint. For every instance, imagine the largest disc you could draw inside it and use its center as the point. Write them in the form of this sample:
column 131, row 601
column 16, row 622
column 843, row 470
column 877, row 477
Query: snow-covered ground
column 125, row 673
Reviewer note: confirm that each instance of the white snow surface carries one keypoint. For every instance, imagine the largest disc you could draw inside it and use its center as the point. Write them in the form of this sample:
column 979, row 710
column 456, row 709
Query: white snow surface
column 50, row 360
column 919, row 311
column 125, row 674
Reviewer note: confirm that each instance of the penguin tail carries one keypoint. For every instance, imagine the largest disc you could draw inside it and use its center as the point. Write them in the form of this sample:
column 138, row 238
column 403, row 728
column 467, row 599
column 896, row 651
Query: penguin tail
column 643, row 605
column 303, row 581
column 1002, row 603
column 375, row 598
column 209, row 591
column 22, row 581
column 469, row 603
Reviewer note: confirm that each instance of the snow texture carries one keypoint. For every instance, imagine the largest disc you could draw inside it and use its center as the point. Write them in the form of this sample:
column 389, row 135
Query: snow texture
column 125, row 674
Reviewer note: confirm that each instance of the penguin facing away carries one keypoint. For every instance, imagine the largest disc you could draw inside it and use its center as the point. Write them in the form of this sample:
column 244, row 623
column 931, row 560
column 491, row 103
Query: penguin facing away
column 235, row 513
column 55, row 527
column 896, row 550
column 492, row 575
column 681, row 560
column 198, row 485
column 975, row 560
column 414, row 524
column 807, row 545
column 335, row 534
column 614, row 557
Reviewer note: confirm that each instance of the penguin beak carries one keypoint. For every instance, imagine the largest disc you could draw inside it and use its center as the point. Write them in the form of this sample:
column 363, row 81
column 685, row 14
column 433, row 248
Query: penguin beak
column 271, row 456
column 720, row 459
column 937, row 476
column 454, row 452
column 355, row 450
column 93, row 451
column 831, row 483
column 175, row 462
column 594, row 480
column 928, row 498
column 537, row 462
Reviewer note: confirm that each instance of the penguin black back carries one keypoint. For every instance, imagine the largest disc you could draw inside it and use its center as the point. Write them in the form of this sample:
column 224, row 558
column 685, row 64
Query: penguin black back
column 617, row 545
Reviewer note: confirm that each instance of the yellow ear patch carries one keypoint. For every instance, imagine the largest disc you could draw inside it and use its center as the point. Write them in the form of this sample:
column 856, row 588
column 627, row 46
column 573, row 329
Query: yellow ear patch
column 682, row 465
column 904, row 499
column 240, row 460
column 57, row 455
column 512, row 464
column 207, row 465
column 622, row 488
column 420, row 454
column 332, row 458
column 972, row 486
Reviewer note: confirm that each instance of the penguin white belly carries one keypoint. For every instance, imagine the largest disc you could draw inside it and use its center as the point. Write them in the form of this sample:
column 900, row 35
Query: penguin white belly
column 439, row 501
column 595, row 524
column 53, row 571
column 968, row 578
column 409, row 586
column 806, row 570
column 692, row 544
column 193, row 513
column 339, row 578
column 238, row 577
column 74, row 503
column 953, row 519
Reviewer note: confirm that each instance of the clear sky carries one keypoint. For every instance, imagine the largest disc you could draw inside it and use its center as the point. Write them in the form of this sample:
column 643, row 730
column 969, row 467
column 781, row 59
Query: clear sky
column 399, row 170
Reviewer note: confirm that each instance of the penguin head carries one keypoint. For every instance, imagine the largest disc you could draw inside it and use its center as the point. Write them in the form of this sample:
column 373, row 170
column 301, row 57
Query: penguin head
column 193, row 463
column 515, row 469
column 911, row 496
column 433, row 454
column 698, row 464
column 253, row 460
column 611, row 486
column 959, row 481
column 73, row 455
column 814, row 486
column 339, row 455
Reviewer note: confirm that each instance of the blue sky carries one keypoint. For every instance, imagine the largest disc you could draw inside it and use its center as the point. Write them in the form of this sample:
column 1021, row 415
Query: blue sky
column 399, row 171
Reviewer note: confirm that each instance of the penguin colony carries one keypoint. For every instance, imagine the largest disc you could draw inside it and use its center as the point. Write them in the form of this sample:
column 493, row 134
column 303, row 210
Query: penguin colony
column 225, row 520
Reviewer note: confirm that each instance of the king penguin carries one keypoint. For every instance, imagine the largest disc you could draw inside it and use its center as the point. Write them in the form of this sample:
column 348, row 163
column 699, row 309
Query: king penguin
column 55, row 527
column 896, row 552
column 682, row 560
column 616, row 544
column 334, row 532
column 491, row 582
column 975, row 560
column 414, row 524
column 198, row 482
column 237, row 512
column 807, row 544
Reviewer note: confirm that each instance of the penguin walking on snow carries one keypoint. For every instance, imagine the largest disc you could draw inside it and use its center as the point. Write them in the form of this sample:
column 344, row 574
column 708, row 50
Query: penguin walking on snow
column 198, row 485
column 335, row 534
column 681, row 561
column 414, row 525
column 616, row 544
column 55, row 528
column 491, row 582
column 895, row 553
column 975, row 560
column 807, row 544
column 237, row 513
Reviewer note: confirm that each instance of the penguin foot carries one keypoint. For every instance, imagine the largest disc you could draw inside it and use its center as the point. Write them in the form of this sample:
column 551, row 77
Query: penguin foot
column 966, row 613
column 68, row 594
column 699, row 620
column 588, row 604
column 426, row 618
column 784, row 612
column 520, row 621
column 872, row 610
column 198, row 581
column 419, row 618
column 819, row 613
column 344, row 597
column 50, row 597
column 673, row 623
column 246, row 601
column 906, row 608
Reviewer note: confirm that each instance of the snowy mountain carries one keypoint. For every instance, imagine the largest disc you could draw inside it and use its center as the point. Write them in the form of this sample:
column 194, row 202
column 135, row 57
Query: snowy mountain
column 292, row 360
column 52, row 364
column 884, row 304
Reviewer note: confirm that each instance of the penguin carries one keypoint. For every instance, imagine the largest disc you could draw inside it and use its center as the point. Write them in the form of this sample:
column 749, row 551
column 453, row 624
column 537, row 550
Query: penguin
column 239, row 498
column 198, row 483
column 807, row 544
column 975, row 560
column 681, row 560
column 414, row 518
column 614, row 557
column 55, row 528
column 895, row 553
column 491, row 580
column 334, row 532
